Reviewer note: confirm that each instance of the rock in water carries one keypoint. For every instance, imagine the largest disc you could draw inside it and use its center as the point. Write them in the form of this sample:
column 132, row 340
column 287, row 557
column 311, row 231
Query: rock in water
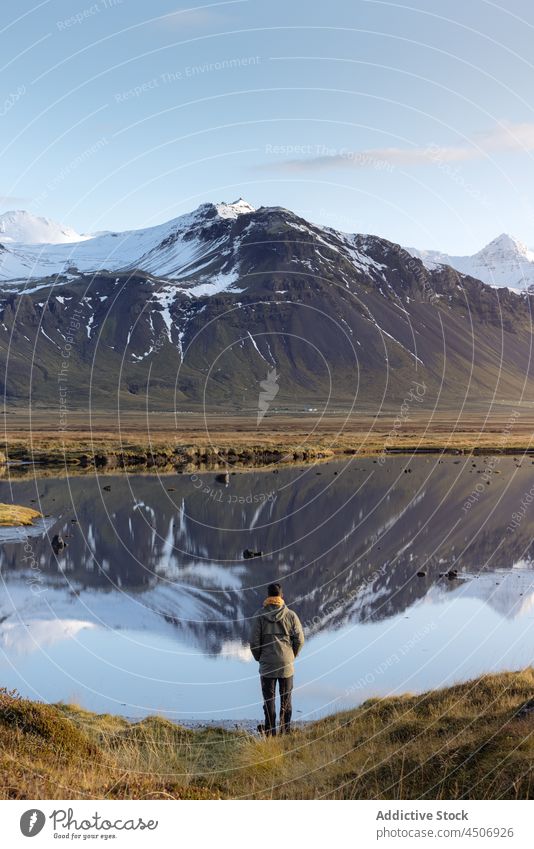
column 58, row 542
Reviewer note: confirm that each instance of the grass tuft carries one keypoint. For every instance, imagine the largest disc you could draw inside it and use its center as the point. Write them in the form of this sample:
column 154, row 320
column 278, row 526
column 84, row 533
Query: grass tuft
column 12, row 515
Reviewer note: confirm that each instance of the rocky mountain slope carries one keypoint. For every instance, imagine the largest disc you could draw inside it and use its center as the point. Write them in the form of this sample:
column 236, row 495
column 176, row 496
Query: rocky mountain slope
column 205, row 309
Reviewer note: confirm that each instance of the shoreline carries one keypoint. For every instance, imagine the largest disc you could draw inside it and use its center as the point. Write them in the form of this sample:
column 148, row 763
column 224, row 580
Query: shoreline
column 192, row 442
column 20, row 462
column 18, row 459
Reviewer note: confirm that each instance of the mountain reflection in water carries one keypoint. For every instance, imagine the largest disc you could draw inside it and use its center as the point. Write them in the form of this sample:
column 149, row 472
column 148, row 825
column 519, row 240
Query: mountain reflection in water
column 153, row 584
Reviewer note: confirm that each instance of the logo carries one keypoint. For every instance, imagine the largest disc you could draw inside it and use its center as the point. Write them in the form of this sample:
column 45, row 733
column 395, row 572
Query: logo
column 32, row 822
column 269, row 391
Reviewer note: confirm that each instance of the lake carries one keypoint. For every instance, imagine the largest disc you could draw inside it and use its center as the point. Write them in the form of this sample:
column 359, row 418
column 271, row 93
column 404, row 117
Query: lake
column 147, row 608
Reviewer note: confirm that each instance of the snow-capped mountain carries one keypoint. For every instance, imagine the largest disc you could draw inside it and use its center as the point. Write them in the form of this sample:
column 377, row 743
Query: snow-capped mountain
column 504, row 262
column 200, row 309
column 21, row 227
column 173, row 249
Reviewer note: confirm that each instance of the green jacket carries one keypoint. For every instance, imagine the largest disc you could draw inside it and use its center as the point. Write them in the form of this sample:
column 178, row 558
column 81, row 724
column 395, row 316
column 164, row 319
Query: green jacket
column 275, row 640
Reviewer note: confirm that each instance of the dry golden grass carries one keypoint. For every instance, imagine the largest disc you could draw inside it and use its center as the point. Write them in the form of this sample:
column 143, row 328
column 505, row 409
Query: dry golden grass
column 465, row 742
column 12, row 515
column 135, row 437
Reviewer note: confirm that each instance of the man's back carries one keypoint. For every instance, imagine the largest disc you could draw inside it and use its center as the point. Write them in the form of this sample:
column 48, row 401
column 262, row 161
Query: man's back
column 276, row 639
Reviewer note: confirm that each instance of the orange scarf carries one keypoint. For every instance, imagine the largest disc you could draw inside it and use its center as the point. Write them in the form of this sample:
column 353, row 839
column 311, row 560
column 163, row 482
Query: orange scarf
column 273, row 599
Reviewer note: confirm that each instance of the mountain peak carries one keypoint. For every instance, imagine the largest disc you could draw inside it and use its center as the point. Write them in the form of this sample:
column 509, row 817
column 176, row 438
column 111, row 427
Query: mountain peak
column 222, row 209
column 508, row 243
column 506, row 248
column 505, row 261
column 234, row 209
column 21, row 226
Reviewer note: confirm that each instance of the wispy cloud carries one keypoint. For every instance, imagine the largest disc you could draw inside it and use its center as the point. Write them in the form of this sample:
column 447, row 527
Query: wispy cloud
column 504, row 137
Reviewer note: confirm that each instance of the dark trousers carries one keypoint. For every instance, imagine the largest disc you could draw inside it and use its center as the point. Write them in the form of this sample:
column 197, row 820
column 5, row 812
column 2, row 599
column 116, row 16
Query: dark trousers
column 268, row 688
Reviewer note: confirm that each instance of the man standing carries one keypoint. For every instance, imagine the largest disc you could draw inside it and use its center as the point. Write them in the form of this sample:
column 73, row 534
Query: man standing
column 275, row 641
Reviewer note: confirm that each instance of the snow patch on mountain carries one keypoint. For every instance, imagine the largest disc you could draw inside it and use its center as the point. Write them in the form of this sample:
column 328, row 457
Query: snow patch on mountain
column 215, row 285
column 233, row 210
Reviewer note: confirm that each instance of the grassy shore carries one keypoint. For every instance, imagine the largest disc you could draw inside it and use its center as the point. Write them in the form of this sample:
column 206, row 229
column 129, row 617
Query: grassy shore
column 471, row 741
column 166, row 441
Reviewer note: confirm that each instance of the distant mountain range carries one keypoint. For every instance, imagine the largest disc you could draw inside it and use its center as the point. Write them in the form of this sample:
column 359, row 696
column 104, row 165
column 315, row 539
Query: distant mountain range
column 201, row 310
column 504, row 262
column 22, row 227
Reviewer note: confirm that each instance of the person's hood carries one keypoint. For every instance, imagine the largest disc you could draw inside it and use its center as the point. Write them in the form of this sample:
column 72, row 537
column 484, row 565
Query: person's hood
column 274, row 612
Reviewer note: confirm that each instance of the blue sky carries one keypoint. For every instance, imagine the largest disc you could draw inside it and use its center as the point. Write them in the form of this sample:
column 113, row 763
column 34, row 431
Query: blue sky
column 414, row 122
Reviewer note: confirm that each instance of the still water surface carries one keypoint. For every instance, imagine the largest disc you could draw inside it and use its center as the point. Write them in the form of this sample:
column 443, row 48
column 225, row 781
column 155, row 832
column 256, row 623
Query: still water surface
column 148, row 607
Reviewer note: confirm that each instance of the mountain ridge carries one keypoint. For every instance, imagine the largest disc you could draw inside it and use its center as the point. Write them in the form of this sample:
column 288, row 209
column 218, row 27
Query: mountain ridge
column 503, row 262
column 174, row 240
